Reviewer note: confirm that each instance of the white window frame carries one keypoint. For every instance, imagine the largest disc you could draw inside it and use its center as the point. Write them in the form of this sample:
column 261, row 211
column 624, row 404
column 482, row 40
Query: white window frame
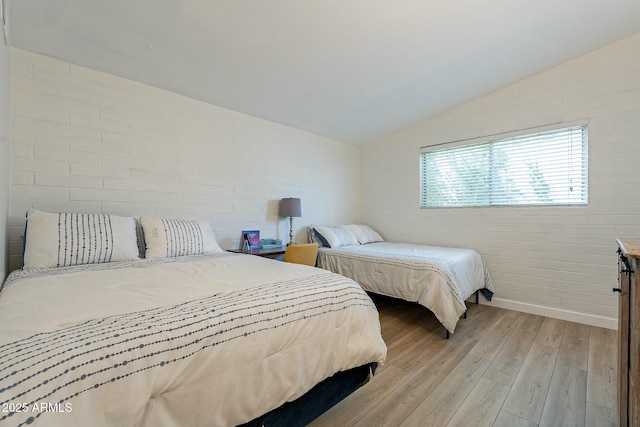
column 490, row 194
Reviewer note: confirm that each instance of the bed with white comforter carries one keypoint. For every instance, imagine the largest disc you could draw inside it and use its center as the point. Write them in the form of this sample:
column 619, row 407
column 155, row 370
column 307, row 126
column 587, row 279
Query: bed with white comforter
column 208, row 340
column 439, row 278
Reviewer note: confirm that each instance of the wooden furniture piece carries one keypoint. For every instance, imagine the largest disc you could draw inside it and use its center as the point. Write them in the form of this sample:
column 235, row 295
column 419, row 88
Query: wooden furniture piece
column 269, row 252
column 628, row 333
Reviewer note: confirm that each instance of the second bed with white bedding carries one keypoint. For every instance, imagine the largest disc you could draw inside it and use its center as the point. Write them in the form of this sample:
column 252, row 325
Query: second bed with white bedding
column 439, row 278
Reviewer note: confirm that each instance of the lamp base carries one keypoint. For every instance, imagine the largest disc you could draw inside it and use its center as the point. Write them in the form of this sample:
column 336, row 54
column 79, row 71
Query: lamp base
column 290, row 230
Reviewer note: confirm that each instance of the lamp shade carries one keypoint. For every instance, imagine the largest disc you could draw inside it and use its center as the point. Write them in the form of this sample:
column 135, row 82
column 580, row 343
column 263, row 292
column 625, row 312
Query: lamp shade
column 290, row 207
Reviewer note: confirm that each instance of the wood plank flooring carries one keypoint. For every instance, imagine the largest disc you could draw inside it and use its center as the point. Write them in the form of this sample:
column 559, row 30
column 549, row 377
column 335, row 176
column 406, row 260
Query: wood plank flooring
column 501, row 368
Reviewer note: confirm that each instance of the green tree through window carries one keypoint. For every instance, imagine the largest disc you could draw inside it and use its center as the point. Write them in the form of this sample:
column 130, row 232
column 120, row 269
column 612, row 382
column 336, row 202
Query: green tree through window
column 543, row 168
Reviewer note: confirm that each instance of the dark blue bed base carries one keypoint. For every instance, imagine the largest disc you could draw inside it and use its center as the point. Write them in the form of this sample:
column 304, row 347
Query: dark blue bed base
column 316, row 401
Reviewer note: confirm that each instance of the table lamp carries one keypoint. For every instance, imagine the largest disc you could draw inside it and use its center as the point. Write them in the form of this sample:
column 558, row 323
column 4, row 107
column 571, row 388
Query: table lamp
column 290, row 207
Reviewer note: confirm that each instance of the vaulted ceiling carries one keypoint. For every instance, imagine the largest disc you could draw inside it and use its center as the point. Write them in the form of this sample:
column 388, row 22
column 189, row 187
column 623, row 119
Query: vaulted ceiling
column 352, row 70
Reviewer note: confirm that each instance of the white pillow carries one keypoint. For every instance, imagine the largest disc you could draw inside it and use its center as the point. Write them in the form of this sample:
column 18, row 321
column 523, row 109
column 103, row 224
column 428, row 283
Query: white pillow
column 166, row 238
column 63, row 239
column 364, row 233
column 312, row 237
column 335, row 236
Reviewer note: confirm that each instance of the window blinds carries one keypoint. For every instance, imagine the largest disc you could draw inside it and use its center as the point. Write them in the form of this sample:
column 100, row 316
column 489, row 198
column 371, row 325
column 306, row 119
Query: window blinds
column 543, row 168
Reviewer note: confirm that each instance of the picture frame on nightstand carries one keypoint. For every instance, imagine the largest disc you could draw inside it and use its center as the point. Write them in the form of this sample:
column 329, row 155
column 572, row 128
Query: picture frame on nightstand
column 250, row 239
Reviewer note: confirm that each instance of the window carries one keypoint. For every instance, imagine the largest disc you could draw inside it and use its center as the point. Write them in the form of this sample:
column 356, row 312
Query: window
column 548, row 167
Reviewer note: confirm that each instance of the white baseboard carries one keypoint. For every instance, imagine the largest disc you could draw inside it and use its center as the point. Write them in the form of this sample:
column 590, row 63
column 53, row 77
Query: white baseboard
column 556, row 313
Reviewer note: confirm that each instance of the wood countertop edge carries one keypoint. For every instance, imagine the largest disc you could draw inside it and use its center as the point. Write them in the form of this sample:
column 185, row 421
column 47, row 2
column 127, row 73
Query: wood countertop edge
column 630, row 247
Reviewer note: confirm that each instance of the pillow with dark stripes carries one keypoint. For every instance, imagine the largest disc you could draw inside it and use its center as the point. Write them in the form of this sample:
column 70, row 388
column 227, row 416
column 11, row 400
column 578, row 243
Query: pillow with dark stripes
column 167, row 238
column 65, row 239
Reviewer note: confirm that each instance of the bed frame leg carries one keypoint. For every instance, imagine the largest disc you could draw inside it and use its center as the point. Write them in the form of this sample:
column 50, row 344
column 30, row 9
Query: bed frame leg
column 446, row 334
column 464, row 315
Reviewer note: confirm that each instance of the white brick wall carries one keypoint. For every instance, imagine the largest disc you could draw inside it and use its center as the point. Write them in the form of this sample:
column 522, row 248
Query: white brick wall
column 5, row 123
column 554, row 261
column 92, row 142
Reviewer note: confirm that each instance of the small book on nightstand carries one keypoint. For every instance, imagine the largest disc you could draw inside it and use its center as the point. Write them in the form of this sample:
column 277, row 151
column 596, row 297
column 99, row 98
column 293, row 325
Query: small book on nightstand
column 270, row 243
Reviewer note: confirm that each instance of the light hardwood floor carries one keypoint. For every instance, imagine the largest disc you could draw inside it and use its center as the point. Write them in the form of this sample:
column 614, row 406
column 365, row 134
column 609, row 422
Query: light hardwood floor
column 501, row 368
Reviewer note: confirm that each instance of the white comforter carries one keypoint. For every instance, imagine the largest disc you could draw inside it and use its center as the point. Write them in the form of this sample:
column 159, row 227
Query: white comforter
column 213, row 341
column 439, row 278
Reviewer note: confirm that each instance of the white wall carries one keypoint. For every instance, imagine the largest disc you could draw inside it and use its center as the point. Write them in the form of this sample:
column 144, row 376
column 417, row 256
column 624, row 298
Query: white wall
column 557, row 261
column 5, row 121
column 86, row 141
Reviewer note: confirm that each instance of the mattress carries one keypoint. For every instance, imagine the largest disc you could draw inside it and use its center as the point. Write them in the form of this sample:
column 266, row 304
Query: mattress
column 439, row 278
column 212, row 340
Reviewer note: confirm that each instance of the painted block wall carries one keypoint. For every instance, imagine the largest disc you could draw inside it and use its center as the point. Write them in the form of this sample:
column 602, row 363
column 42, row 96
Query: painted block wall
column 86, row 141
column 556, row 261
column 5, row 124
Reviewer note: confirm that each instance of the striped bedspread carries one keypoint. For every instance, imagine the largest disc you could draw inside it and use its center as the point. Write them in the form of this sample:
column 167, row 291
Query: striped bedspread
column 439, row 278
column 215, row 340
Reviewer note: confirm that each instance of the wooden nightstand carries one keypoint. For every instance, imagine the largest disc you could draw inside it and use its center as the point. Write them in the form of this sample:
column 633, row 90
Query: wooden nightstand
column 268, row 252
